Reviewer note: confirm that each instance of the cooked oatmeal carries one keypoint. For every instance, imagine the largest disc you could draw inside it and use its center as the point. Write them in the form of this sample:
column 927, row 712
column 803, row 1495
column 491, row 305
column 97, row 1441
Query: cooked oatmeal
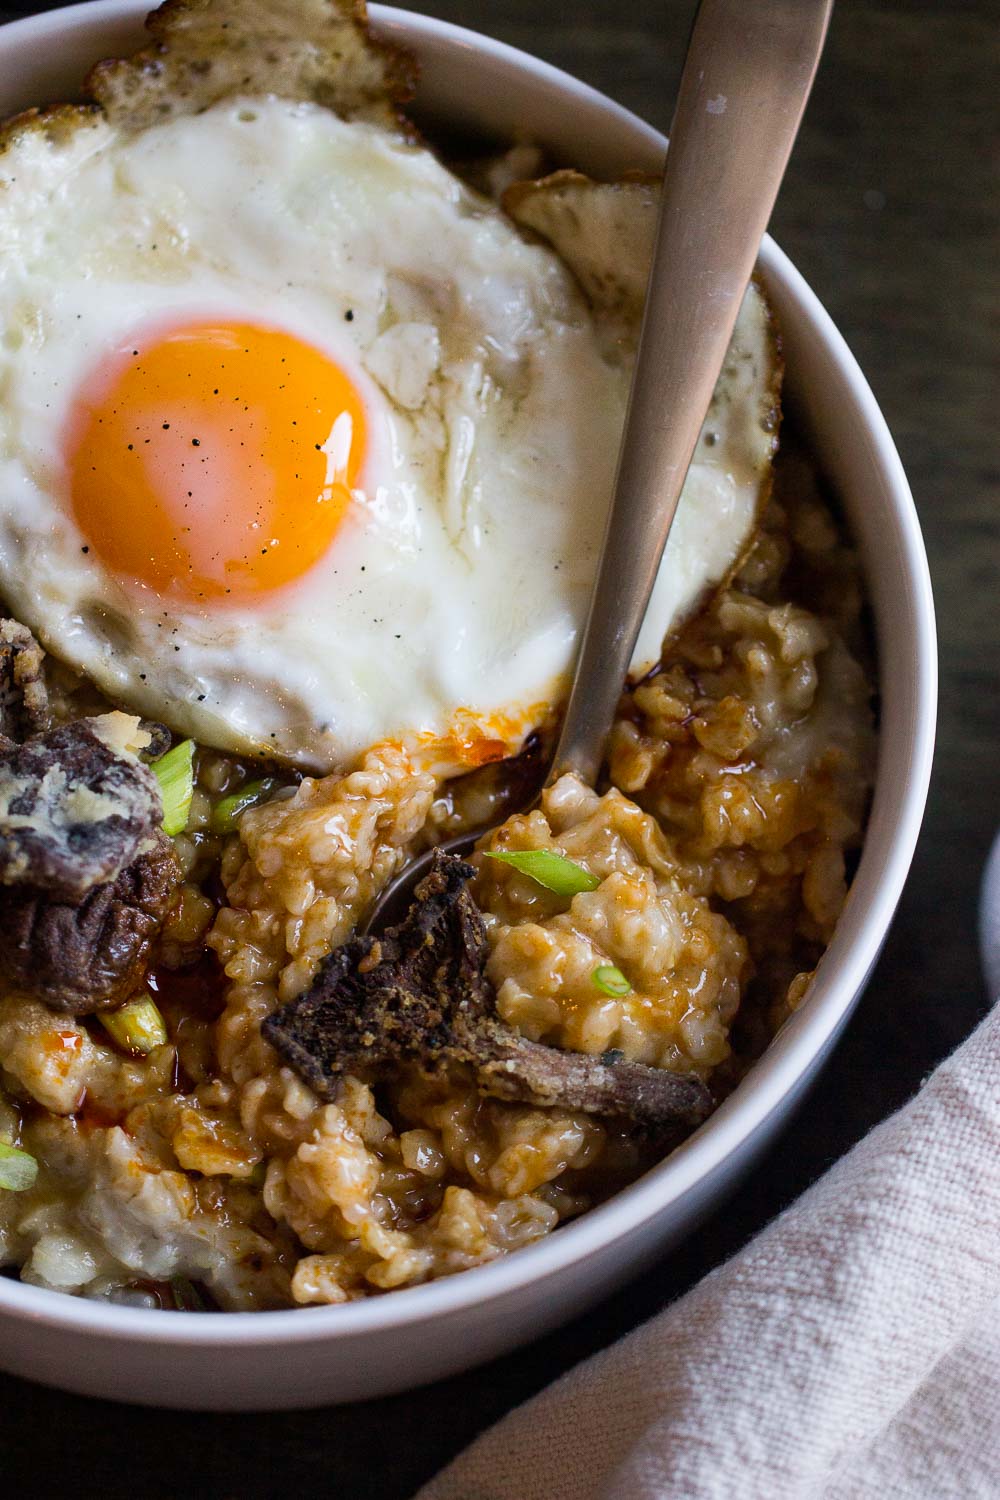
column 720, row 850
column 214, row 1091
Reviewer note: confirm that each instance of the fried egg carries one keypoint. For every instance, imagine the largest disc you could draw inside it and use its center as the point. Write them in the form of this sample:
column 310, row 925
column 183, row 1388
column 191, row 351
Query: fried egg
column 303, row 444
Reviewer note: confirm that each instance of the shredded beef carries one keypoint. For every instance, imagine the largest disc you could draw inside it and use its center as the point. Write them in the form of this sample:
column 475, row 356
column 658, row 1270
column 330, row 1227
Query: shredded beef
column 74, row 810
column 87, row 875
column 419, row 994
column 91, row 956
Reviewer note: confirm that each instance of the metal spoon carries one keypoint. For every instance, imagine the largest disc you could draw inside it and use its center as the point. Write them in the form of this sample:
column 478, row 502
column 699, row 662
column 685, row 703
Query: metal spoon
column 747, row 76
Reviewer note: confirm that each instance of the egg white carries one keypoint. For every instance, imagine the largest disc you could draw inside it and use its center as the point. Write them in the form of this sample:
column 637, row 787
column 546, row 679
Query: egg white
column 447, row 608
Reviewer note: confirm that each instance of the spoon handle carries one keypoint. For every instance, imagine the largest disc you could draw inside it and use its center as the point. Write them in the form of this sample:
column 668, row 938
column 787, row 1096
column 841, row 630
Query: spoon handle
column 749, row 68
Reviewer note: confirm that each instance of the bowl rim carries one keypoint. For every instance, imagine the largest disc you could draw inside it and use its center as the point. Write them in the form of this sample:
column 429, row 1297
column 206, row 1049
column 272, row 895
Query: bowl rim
column 846, row 963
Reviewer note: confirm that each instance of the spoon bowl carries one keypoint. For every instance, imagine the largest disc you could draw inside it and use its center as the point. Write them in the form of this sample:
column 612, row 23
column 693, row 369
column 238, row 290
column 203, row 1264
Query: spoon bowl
column 396, row 898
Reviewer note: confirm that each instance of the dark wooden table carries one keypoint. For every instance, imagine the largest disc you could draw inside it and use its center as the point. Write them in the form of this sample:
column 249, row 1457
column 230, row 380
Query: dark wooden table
column 887, row 210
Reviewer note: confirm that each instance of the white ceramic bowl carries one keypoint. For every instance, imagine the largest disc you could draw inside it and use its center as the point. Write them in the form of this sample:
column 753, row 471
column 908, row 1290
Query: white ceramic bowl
column 319, row 1355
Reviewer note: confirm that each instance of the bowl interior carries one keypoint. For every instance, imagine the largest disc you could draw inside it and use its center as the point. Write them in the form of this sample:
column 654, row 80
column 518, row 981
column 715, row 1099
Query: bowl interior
column 485, row 90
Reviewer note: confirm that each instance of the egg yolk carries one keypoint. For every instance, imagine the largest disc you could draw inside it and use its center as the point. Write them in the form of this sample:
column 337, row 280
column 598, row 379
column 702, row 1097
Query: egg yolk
column 214, row 462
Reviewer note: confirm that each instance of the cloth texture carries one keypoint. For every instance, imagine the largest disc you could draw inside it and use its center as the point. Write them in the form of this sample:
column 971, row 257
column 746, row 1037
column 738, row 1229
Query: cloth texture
column 850, row 1352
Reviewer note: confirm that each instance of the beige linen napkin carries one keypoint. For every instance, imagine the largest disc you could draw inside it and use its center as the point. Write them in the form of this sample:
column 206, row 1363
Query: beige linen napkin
column 851, row 1350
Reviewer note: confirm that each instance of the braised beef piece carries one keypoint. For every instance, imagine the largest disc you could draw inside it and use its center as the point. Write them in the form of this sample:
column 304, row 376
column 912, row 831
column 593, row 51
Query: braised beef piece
column 419, row 994
column 24, row 699
column 87, row 875
column 74, row 811
column 94, row 955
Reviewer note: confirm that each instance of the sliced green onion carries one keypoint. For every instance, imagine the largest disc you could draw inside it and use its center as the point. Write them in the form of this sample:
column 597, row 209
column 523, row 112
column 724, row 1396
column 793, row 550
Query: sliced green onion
column 226, row 814
column 610, row 980
column 186, row 1295
column 554, row 871
column 175, row 773
column 18, row 1170
column 137, row 1027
